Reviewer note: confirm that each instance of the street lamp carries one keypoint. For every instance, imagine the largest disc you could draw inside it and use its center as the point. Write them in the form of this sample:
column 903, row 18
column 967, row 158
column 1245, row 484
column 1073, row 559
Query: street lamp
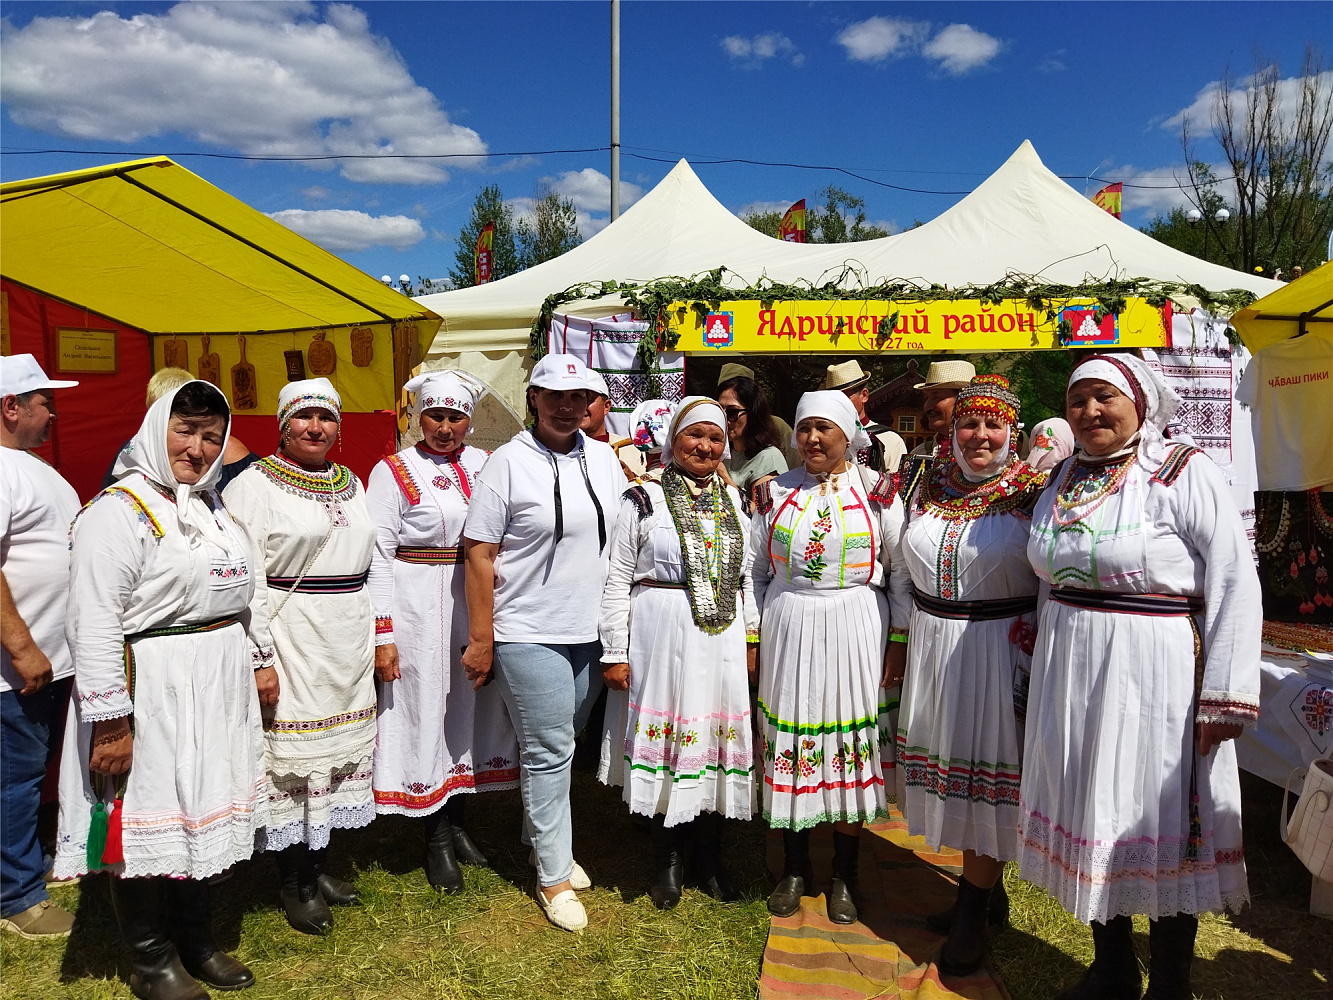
column 1194, row 217
column 405, row 281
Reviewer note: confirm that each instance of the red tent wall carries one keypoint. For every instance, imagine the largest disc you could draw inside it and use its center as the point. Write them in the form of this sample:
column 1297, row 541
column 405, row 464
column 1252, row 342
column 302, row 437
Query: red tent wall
column 105, row 409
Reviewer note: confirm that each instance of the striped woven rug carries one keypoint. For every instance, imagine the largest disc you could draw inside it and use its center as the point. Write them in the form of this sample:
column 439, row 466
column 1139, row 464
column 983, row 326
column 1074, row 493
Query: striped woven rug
column 888, row 953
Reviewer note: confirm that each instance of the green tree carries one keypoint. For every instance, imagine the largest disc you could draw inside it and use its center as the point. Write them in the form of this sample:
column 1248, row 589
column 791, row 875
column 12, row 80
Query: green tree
column 766, row 222
column 489, row 207
column 552, row 230
column 842, row 219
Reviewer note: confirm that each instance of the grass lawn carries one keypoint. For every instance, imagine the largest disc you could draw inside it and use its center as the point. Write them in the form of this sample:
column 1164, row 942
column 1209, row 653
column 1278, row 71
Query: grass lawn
column 407, row 942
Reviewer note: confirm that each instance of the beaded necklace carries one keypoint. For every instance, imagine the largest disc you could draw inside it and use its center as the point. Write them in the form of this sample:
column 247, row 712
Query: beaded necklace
column 951, row 496
column 1084, row 488
column 712, row 565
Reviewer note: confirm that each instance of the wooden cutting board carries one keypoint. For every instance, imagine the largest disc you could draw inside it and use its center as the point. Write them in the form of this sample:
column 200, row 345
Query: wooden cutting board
column 363, row 346
column 244, row 392
column 321, row 358
column 210, row 365
column 176, row 353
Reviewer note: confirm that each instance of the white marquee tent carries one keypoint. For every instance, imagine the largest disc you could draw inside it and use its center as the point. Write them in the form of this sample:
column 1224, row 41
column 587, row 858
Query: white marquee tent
column 1021, row 219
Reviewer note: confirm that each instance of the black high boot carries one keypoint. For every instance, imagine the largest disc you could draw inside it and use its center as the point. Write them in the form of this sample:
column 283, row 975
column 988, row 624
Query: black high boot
column 192, row 915
column 843, row 890
column 709, row 871
column 1114, row 973
column 307, row 910
column 464, row 849
column 797, row 875
column 158, row 972
column 335, row 891
column 1170, row 954
column 442, row 869
column 668, row 864
column 997, row 914
column 965, row 949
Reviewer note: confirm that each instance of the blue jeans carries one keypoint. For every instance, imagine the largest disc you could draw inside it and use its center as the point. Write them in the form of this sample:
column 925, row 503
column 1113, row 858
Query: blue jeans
column 31, row 726
column 549, row 691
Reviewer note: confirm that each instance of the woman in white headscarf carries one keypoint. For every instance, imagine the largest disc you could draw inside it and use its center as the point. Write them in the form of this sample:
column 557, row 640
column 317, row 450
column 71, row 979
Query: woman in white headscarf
column 439, row 740
column 312, row 629
column 1052, row 443
column 968, row 658
column 826, row 547
column 1146, row 666
column 168, row 737
column 677, row 609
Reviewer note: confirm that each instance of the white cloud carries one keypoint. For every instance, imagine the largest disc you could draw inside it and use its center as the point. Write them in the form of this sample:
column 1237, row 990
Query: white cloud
column 766, row 46
column 261, row 78
column 1200, row 113
column 342, row 231
column 880, row 38
column 1054, row 63
column 961, row 48
column 315, row 192
column 589, row 190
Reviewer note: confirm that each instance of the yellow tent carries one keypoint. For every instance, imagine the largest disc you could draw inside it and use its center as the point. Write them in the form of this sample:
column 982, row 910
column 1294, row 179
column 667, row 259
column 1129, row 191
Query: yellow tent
column 1297, row 307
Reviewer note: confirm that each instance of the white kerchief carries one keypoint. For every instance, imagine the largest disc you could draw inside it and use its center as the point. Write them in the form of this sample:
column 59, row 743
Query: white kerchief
column 993, row 468
column 1154, row 400
column 835, row 406
column 1052, row 443
column 305, row 393
column 699, row 410
column 147, row 454
column 449, row 389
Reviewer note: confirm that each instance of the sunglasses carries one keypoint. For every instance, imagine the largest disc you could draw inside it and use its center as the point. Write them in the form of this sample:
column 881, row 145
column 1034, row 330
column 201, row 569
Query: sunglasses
column 734, row 413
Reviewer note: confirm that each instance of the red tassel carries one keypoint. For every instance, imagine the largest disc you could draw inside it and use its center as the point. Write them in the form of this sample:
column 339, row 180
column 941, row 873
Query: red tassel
column 114, row 852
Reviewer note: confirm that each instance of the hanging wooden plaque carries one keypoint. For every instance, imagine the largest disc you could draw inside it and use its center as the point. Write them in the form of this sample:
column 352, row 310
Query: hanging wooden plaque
column 322, row 358
column 210, row 365
column 244, row 392
column 363, row 346
column 176, row 353
column 295, row 365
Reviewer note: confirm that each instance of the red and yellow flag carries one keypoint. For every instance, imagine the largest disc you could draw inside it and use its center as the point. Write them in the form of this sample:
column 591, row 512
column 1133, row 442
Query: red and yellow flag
column 482, row 269
column 792, row 227
column 1108, row 198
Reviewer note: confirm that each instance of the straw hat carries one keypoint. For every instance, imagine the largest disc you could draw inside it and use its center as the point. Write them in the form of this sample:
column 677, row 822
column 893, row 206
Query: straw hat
column 948, row 375
column 846, row 377
column 732, row 370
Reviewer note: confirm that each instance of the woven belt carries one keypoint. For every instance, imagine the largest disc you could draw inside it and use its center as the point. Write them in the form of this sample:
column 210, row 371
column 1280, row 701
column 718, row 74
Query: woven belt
column 320, row 584
column 1156, row 605
column 656, row 585
column 976, row 611
column 424, row 555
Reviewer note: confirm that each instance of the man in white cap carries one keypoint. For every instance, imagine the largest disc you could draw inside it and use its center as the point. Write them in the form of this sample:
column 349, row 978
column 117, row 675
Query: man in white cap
column 36, row 508
column 940, row 389
column 886, row 448
column 599, row 405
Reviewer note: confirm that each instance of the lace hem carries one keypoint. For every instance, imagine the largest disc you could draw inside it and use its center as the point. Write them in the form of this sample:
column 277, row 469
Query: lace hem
column 298, row 831
column 809, row 822
column 1228, row 707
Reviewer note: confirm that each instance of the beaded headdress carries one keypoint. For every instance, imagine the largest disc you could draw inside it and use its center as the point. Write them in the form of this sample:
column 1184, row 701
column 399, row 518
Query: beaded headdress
column 306, row 394
column 988, row 394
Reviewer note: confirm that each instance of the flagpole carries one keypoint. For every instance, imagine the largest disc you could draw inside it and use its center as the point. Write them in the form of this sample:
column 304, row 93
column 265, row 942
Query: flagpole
column 615, row 110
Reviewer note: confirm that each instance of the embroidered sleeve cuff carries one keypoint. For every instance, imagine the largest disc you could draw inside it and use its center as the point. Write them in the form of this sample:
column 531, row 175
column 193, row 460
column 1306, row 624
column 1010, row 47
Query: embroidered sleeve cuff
column 98, row 706
column 261, row 658
column 383, row 630
column 896, row 636
column 1228, row 707
column 751, row 635
column 611, row 654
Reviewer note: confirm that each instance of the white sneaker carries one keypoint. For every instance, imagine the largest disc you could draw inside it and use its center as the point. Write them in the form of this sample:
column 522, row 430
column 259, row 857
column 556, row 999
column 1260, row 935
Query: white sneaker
column 565, row 910
column 578, row 878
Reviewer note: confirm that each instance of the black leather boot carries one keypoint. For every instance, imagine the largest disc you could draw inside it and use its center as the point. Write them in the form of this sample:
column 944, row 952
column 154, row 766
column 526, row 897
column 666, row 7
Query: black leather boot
column 797, row 875
column 442, row 869
column 158, row 972
column 335, row 891
column 192, row 915
column 1114, row 973
column 965, row 949
column 843, row 890
column 1170, row 954
column 709, row 871
column 464, row 849
column 997, row 913
column 307, row 911
column 668, row 864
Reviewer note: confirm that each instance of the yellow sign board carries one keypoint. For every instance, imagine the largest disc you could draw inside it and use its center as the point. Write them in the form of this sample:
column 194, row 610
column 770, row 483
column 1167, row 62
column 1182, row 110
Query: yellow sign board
column 85, row 350
column 965, row 326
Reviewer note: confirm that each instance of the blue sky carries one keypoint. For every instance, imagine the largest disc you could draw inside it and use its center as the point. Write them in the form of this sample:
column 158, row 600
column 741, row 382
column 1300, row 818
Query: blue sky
column 931, row 96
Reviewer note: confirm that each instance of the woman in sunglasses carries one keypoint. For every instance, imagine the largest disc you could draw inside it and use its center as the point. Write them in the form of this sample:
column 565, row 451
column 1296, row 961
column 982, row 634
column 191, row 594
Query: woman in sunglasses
column 755, row 452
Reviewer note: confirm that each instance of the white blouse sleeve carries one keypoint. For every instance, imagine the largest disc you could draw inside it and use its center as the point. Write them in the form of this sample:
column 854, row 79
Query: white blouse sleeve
column 1208, row 519
column 613, row 626
column 749, row 606
column 897, row 578
column 761, row 570
column 387, row 506
column 110, row 549
column 250, row 513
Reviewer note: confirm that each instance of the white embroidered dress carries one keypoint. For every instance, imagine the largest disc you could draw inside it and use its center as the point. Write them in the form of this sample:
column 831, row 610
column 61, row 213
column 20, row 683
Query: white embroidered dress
column 195, row 793
column 959, row 746
column 437, row 737
column 320, row 639
column 680, row 739
column 1110, row 749
column 822, row 555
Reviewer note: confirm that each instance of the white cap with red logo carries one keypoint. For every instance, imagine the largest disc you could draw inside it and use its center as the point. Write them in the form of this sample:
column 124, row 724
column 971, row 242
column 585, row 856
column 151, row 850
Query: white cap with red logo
column 560, row 371
column 21, row 373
